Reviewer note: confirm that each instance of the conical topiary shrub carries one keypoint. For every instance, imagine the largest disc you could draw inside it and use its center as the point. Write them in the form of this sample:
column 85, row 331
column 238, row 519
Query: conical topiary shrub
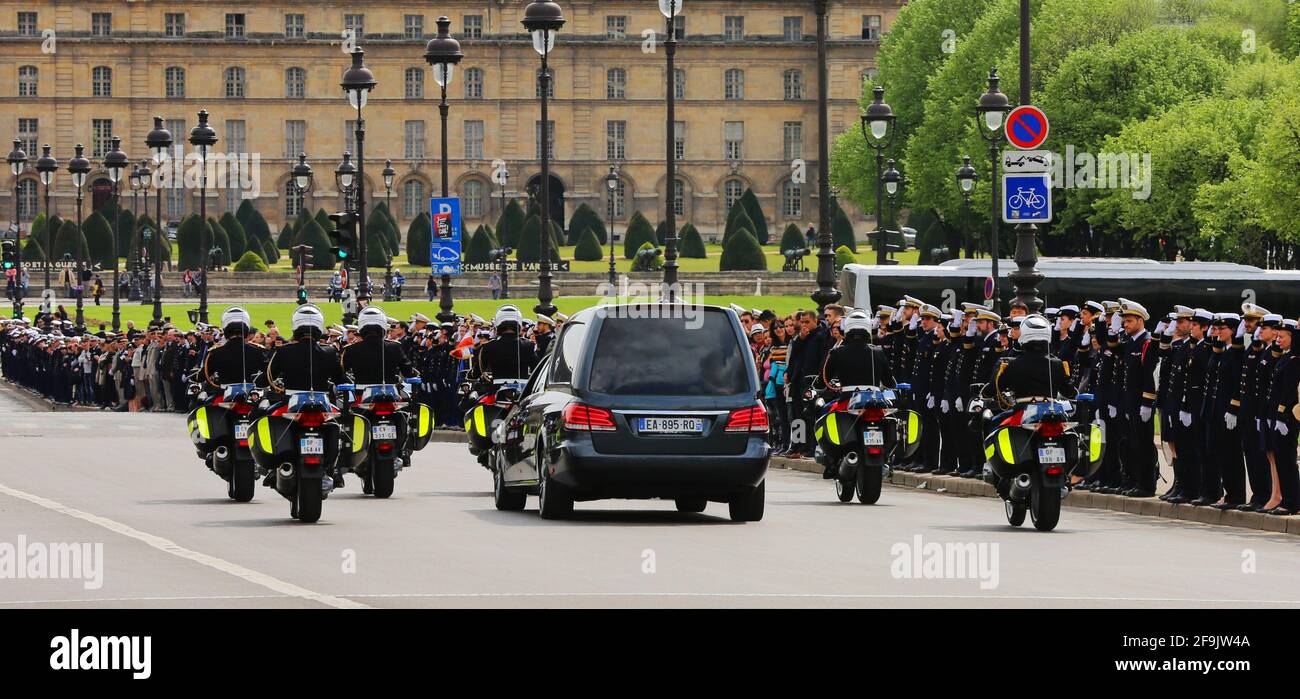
column 585, row 217
column 285, row 239
column 692, row 244
column 99, row 239
column 479, row 249
column 244, row 213
column 792, row 238
column 312, row 234
column 417, row 240
column 742, row 252
column 740, row 222
column 842, row 230
column 755, row 212
column 588, row 248
column 250, row 262
column 221, row 241
column 661, row 233
column 639, row 232
column 33, row 251
column 70, row 241
column 529, row 249
column 511, row 224
column 189, row 240
column 257, row 227
column 235, row 233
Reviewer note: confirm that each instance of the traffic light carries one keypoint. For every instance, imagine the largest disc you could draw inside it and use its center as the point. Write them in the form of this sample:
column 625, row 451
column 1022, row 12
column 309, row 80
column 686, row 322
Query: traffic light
column 344, row 235
column 302, row 296
column 10, row 256
column 302, row 256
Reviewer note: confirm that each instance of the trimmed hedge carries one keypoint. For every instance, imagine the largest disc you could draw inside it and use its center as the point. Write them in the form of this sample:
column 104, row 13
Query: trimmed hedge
column 588, row 248
column 742, row 253
column 479, row 249
column 792, row 238
column 312, row 234
column 585, row 218
column 99, row 239
column 530, row 243
column 639, row 232
column 844, row 256
column 70, row 241
column 235, row 232
column 692, row 244
column 511, row 224
column 418, row 236
column 250, row 262
column 842, row 230
column 756, row 215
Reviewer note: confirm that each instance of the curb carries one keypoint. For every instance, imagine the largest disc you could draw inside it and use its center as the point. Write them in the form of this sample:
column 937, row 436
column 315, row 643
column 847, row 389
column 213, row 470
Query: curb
column 1146, row 507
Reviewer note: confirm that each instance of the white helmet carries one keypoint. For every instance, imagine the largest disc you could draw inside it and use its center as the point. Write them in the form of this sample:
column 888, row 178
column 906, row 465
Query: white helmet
column 235, row 314
column 372, row 316
column 308, row 316
column 1035, row 328
column 855, row 322
column 508, row 314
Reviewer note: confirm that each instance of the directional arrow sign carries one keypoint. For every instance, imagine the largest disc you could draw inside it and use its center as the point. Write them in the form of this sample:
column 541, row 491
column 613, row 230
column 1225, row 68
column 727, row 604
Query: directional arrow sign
column 1027, row 127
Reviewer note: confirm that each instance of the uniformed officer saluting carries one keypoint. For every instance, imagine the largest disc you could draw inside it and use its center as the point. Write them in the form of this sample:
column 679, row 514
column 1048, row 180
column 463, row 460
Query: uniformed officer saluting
column 235, row 360
column 375, row 360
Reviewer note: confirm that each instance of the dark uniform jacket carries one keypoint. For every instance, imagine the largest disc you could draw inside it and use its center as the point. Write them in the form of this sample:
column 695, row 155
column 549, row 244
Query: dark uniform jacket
column 855, row 362
column 233, row 361
column 375, row 360
column 506, row 357
column 303, row 365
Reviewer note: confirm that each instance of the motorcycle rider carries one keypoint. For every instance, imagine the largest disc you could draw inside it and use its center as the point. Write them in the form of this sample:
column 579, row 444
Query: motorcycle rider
column 375, row 360
column 235, row 360
column 1033, row 374
column 304, row 364
column 507, row 356
column 856, row 362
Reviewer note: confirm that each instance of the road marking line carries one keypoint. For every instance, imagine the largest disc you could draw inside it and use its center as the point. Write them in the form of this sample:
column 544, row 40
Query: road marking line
column 828, row 595
column 171, row 547
column 140, row 599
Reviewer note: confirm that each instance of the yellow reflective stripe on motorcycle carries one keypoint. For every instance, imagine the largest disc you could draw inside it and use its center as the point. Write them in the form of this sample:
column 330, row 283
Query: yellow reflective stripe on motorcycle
column 818, row 433
column 469, row 422
column 358, row 433
column 832, row 428
column 1094, row 443
column 201, row 416
column 913, row 426
column 264, row 435
column 988, row 452
column 1004, row 446
column 424, row 420
column 479, row 421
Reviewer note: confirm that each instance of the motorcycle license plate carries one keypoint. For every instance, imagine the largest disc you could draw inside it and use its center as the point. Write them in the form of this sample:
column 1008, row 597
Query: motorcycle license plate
column 311, row 445
column 1051, row 455
column 670, row 425
column 384, row 432
column 874, row 438
column 241, row 430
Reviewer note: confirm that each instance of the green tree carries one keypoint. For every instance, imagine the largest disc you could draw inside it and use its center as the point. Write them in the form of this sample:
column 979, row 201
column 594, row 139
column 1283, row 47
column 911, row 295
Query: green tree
column 71, row 241
column 99, row 239
column 742, row 253
column 588, row 248
column 511, row 224
column 639, row 232
column 377, row 241
column 842, row 230
column 792, row 238
column 692, row 245
column 479, row 249
column 529, row 249
column 418, row 236
column 33, row 250
column 235, row 232
column 250, row 262
column 756, row 216
column 392, row 235
column 738, row 222
column 324, row 221
column 189, row 238
column 661, row 233
column 51, row 232
column 221, row 240
column 585, row 217
column 244, row 213
column 285, row 240
column 312, row 234
column 257, row 227
column 270, row 253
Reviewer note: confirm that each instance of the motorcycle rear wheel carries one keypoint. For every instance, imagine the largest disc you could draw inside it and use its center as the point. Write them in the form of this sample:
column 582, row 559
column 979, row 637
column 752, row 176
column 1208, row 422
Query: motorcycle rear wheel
column 381, row 477
column 869, row 482
column 307, row 503
column 1015, row 513
column 1045, row 508
column 844, row 488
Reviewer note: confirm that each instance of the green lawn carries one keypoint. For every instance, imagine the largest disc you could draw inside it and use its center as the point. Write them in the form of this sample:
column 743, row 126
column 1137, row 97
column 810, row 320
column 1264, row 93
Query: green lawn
column 280, row 312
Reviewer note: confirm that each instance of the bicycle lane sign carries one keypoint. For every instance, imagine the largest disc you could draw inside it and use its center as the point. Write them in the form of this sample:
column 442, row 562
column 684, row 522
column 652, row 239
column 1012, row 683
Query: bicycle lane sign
column 1027, row 198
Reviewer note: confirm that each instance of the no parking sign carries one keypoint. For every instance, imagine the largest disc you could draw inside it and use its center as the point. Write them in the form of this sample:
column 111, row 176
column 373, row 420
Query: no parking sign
column 1027, row 127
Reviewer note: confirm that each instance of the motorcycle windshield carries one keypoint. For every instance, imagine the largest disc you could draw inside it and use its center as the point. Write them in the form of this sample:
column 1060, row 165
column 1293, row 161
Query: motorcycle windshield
column 1053, row 410
column 316, row 400
column 235, row 391
column 380, row 393
column 870, row 398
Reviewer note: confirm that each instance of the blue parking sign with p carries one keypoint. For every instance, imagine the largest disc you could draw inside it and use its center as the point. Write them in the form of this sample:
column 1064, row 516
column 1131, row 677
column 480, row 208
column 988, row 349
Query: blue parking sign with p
column 1027, row 198
column 444, row 240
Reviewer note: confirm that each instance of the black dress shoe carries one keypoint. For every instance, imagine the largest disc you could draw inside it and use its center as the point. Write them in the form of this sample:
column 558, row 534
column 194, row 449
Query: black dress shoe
column 1202, row 502
column 1279, row 511
column 1248, row 507
column 942, row 472
column 1139, row 493
column 1178, row 500
column 1225, row 506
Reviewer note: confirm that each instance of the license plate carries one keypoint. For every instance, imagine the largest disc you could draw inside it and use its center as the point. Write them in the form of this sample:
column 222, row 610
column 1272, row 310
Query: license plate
column 241, row 430
column 384, row 432
column 671, row 425
column 874, row 438
column 311, row 445
column 1051, row 455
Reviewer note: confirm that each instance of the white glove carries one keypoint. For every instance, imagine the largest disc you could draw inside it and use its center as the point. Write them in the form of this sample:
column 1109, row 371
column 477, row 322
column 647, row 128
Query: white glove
column 970, row 329
column 1256, row 424
column 1183, row 417
column 1116, row 323
column 1282, row 429
column 1145, row 413
column 929, row 402
column 1160, row 327
column 1255, row 337
column 1114, row 412
column 960, row 407
column 898, row 313
column 1241, row 328
column 1230, row 421
column 915, row 321
column 943, row 406
column 1086, row 339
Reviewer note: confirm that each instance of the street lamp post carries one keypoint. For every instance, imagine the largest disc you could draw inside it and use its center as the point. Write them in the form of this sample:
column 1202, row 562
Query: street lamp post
column 892, row 180
column 17, row 163
column 133, row 181
column 826, row 292
column 79, row 167
column 203, row 137
column 46, row 166
column 543, row 19
column 443, row 53
column 302, row 178
column 142, row 271
column 611, row 183
column 158, row 140
column 670, row 9
column 992, row 109
column 877, row 129
column 966, row 181
column 1026, row 276
column 357, row 83
column 115, row 162
column 389, row 175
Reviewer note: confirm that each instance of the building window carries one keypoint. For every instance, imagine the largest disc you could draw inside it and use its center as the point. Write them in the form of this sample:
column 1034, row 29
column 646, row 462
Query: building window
column 414, row 139
column 234, row 25
column 615, row 140
column 731, row 192
column 355, row 24
column 27, row 81
column 101, row 23
column 793, row 80
column 735, row 84
column 733, row 28
column 475, row 196
column 679, row 27
column 236, row 136
column 679, row 198
column 616, row 27
column 234, row 82
column 295, row 83
column 793, row 139
column 413, row 203
column 793, row 28
column 101, row 130
column 679, row 83
column 27, row 137
column 871, row 27
column 26, row 199
column 413, row 26
column 679, row 139
column 474, row 84
column 733, row 133
column 550, row 138
column 350, row 135
column 616, row 205
column 791, row 200
column 550, row 84
column 175, row 192
column 27, row 24
column 473, row 140
column 295, row 138
column 615, row 84
column 293, row 199
column 473, row 26
column 294, row 26
column 414, row 83
column 101, row 81
column 174, row 24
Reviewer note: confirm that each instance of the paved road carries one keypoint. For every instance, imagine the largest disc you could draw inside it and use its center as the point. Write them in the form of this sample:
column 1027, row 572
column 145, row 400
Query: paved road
column 171, row 539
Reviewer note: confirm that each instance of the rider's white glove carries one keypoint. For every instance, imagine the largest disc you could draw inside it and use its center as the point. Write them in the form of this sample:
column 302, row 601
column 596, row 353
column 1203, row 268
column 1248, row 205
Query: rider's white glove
column 1145, row 413
column 1282, row 429
column 929, row 402
column 1114, row 412
column 960, row 406
column 1185, row 418
column 1230, row 421
column 943, row 406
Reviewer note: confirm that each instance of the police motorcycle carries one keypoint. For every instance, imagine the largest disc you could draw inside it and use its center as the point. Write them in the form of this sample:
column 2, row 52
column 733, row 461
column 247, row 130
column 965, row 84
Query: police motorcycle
column 862, row 431
column 1036, row 446
column 486, row 401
